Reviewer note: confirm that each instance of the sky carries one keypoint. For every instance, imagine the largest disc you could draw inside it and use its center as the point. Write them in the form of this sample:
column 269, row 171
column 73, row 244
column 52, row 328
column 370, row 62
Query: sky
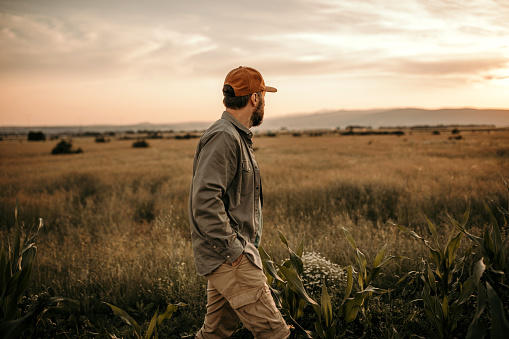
column 71, row 62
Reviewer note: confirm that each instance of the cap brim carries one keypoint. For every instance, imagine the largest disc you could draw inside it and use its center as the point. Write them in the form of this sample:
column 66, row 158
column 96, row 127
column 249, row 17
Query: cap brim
column 270, row 89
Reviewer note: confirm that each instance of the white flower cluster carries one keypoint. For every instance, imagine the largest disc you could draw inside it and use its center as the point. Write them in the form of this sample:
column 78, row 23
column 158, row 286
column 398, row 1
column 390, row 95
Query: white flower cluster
column 316, row 269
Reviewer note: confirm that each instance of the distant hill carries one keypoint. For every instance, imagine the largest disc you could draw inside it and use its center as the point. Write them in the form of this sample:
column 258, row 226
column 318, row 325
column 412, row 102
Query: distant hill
column 375, row 118
column 404, row 117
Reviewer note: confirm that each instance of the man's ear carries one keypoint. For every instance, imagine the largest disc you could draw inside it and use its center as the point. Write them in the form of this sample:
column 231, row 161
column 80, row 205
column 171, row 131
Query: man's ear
column 254, row 99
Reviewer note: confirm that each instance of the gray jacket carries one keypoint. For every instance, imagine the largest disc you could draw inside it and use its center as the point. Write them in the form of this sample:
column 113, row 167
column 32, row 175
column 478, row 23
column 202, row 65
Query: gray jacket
column 226, row 195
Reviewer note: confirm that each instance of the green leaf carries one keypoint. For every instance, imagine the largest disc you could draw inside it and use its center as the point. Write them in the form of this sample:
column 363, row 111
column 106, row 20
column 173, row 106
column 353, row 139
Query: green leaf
column 452, row 247
column 300, row 249
column 296, row 285
column 152, row 326
column 296, row 262
column 497, row 239
column 467, row 289
column 433, row 231
column 435, row 256
column 23, row 280
column 12, row 284
column 263, row 254
column 476, row 329
column 466, row 216
column 351, row 307
column 445, row 308
column 350, row 239
column 380, row 256
column 499, row 323
column 349, row 284
column 431, row 279
column 283, row 239
column 478, row 271
column 126, row 318
column 271, row 270
column 326, row 308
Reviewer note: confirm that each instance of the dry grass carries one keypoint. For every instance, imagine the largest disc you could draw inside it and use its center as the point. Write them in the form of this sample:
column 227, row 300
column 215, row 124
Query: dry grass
column 117, row 226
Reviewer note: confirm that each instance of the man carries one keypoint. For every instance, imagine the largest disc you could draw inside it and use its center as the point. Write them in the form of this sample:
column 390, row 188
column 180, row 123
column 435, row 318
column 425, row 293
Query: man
column 226, row 216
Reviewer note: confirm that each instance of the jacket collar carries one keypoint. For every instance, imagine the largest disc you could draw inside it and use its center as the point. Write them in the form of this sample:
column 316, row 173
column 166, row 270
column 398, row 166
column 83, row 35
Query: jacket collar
column 227, row 116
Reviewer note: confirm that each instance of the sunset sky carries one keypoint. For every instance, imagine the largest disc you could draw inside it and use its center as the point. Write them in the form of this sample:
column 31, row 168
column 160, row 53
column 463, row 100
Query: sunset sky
column 161, row 61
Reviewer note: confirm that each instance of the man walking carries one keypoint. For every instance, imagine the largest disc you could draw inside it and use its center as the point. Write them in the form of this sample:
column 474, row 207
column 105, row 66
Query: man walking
column 225, row 210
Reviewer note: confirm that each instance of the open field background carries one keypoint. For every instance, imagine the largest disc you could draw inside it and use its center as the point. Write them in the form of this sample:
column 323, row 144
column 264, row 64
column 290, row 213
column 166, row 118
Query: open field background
column 116, row 224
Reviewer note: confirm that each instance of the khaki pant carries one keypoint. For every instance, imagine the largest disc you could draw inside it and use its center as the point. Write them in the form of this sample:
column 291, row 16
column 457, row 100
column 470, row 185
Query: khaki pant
column 237, row 294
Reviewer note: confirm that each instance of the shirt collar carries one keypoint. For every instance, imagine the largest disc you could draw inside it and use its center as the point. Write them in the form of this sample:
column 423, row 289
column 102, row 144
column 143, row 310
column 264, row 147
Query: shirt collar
column 236, row 123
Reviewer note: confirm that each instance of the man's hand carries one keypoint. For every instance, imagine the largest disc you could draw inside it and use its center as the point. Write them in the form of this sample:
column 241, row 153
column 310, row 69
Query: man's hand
column 236, row 262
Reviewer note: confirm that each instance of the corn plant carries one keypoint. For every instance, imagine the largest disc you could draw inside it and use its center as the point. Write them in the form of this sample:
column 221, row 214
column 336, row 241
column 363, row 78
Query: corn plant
column 486, row 294
column 445, row 290
column 366, row 275
column 155, row 322
column 15, row 269
column 330, row 324
column 286, row 284
column 490, row 278
column 493, row 249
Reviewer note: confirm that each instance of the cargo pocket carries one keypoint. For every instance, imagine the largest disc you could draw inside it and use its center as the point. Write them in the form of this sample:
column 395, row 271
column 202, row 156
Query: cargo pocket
column 262, row 317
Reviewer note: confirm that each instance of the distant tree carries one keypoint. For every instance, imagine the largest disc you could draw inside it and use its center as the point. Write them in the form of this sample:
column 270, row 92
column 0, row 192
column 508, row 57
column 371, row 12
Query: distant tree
column 455, row 131
column 65, row 147
column 140, row 144
column 36, row 136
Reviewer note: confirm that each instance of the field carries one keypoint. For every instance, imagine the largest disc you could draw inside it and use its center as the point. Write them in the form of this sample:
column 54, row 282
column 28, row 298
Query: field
column 116, row 223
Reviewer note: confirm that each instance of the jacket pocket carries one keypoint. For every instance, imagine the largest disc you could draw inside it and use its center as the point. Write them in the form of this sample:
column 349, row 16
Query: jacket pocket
column 247, row 178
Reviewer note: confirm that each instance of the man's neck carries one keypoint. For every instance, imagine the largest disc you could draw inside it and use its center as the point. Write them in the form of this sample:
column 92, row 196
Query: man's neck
column 243, row 115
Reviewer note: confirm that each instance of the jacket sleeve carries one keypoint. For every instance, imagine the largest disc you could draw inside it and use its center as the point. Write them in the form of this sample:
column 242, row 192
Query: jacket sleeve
column 214, row 171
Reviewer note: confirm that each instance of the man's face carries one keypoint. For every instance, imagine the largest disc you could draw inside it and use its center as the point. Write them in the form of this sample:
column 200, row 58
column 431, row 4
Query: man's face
column 257, row 117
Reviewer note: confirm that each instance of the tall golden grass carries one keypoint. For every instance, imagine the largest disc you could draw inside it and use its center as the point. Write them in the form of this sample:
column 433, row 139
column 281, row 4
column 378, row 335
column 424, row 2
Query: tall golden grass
column 117, row 224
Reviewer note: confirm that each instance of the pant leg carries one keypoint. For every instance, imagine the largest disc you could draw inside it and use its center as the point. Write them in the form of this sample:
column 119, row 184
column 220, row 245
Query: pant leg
column 220, row 320
column 245, row 289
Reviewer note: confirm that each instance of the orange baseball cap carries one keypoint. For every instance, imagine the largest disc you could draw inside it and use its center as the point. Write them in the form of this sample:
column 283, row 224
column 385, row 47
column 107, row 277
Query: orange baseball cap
column 246, row 80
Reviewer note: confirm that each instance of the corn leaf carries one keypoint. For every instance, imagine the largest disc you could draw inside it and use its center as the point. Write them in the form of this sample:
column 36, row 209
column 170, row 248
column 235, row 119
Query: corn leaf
column 326, row 308
column 452, row 247
column 445, row 308
column 349, row 284
column 476, row 329
column 351, row 308
column 300, row 249
column 466, row 216
column 296, row 285
column 380, row 256
column 497, row 239
column 23, row 280
column 499, row 323
column 283, row 239
column 478, row 271
column 126, row 318
column 152, row 326
column 350, row 239
column 296, row 262
column 431, row 279
column 467, row 289
column 433, row 231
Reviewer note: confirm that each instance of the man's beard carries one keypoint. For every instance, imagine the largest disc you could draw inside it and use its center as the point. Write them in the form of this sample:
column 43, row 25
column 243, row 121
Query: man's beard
column 257, row 116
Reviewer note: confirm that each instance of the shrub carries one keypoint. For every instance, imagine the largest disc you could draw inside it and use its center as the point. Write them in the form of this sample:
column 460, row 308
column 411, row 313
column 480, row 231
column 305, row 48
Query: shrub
column 36, row 136
column 140, row 144
column 65, row 147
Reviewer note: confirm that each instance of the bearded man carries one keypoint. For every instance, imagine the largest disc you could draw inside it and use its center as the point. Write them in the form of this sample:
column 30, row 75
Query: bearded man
column 225, row 209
